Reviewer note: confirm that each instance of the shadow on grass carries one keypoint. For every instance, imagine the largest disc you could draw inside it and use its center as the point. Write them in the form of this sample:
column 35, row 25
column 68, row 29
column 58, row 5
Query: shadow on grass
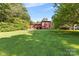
column 71, row 39
column 17, row 45
column 38, row 44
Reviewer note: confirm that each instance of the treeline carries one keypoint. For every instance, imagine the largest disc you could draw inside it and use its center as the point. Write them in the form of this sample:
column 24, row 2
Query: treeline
column 66, row 15
column 13, row 16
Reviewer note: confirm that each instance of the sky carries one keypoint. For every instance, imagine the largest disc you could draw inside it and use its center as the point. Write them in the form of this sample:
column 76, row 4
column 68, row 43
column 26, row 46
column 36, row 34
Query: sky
column 38, row 11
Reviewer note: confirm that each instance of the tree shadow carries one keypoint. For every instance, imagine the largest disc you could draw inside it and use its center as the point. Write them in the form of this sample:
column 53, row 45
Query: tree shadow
column 70, row 39
column 37, row 44
column 15, row 45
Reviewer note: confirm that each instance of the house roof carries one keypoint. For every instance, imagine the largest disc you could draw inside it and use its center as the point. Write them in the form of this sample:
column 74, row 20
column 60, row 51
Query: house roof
column 39, row 22
column 46, row 21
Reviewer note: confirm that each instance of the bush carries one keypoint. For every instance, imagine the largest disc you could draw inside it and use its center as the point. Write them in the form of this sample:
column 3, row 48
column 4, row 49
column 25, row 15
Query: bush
column 5, row 26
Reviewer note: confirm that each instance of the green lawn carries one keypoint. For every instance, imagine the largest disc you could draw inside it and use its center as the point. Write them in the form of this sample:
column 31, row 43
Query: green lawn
column 39, row 43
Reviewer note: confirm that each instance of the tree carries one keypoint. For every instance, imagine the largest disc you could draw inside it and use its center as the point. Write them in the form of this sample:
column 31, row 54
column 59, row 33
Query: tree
column 45, row 19
column 15, row 15
column 66, row 14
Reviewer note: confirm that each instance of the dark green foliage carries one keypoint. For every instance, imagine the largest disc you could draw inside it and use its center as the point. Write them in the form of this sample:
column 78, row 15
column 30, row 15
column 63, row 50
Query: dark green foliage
column 66, row 15
column 13, row 16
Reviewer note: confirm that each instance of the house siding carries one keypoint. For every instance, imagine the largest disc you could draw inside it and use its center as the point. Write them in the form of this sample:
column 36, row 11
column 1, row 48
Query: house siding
column 42, row 25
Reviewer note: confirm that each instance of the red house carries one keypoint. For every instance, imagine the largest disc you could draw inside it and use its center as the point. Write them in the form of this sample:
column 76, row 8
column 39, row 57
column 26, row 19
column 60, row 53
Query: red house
column 46, row 24
column 41, row 25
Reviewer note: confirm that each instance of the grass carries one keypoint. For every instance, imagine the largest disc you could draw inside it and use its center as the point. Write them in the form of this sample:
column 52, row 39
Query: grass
column 39, row 43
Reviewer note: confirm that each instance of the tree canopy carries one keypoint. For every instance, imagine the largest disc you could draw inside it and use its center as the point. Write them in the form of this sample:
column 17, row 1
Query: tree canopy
column 13, row 16
column 66, row 15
